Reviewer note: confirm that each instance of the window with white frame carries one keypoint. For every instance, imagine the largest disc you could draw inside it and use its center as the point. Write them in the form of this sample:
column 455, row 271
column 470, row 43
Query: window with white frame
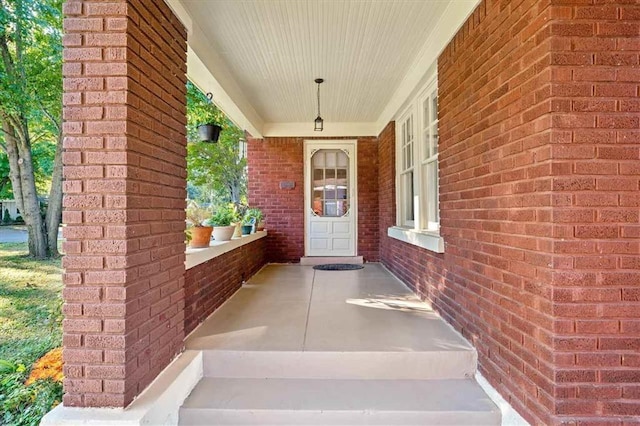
column 418, row 215
column 407, row 171
column 429, row 159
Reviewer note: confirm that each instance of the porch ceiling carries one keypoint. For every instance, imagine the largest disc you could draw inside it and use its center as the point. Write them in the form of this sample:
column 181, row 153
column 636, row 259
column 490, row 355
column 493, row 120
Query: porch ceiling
column 260, row 57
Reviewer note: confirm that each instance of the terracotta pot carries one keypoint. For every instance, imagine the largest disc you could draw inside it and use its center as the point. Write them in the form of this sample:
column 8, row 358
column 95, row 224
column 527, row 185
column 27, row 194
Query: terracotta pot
column 200, row 236
column 223, row 233
column 260, row 226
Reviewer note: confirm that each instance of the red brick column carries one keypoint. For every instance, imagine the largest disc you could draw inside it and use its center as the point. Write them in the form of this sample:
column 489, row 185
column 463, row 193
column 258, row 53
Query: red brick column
column 124, row 169
column 595, row 71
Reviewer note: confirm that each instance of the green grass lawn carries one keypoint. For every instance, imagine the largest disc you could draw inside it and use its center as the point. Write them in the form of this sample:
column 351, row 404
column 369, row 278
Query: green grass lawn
column 30, row 326
column 30, row 302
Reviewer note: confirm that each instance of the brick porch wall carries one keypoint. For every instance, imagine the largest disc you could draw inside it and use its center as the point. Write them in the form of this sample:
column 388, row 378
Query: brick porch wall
column 124, row 169
column 539, row 204
column 595, row 82
column 273, row 160
column 210, row 284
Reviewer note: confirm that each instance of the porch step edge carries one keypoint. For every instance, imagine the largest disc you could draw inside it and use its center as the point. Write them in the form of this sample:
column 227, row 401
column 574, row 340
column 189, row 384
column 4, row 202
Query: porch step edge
column 304, row 401
column 428, row 365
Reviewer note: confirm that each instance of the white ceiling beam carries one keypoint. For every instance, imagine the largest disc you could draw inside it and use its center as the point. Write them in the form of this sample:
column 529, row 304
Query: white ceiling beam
column 331, row 129
column 207, row 70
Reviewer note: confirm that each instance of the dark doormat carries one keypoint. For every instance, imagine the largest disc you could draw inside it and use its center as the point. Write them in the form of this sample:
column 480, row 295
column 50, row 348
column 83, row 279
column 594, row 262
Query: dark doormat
column 338, row 267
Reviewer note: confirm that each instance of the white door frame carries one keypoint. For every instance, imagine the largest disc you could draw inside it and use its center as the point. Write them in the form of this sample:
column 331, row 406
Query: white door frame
column 309, row 147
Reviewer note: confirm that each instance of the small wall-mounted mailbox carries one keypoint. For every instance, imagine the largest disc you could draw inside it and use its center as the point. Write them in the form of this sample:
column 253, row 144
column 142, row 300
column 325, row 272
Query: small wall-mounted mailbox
column 287, row 184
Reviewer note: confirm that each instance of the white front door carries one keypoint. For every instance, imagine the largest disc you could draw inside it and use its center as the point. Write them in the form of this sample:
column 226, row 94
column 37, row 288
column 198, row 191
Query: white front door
column 330, row 198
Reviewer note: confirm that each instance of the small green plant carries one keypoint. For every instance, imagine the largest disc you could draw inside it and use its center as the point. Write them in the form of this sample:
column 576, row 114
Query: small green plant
column 196, row 215
column 255, row 214
column 224, row 216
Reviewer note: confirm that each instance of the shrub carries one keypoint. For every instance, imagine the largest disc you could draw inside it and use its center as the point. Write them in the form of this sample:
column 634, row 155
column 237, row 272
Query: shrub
column 24, row 400
column 6, row 217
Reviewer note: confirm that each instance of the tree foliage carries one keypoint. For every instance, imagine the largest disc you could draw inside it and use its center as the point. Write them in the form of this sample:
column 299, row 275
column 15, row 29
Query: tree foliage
column 30, row 113
column 216, row 173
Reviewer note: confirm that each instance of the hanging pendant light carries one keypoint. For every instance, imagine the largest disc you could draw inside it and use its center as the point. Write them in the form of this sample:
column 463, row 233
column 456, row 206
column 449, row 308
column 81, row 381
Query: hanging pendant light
column 319, row 122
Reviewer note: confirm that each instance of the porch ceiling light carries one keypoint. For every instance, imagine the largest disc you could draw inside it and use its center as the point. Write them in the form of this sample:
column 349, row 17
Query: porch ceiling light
column 319, row 122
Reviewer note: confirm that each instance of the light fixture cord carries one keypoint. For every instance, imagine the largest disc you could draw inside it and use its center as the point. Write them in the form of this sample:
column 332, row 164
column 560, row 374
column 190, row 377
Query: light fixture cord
column 318, row 99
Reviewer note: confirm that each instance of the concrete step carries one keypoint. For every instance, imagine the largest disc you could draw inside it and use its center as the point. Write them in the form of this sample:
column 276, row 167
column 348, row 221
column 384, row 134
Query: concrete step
column 232, row 401
column 459, row 363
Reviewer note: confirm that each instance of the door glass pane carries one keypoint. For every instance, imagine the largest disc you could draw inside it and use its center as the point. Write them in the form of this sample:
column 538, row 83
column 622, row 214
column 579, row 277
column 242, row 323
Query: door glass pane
column 331, row 159
column 343, row 160
column 330, row 183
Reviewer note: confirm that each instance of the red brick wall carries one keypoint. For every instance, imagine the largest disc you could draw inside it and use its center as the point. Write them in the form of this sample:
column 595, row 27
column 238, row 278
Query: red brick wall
column 124, row 170
column 596, row 149
column 539, row 205
column 273, row 160
column 386, row 188
column 210, row 284
column 496, row 198
column 368, row 213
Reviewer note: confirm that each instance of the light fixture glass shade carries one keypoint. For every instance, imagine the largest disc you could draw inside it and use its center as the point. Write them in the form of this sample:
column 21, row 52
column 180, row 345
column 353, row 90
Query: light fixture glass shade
column 319, row 124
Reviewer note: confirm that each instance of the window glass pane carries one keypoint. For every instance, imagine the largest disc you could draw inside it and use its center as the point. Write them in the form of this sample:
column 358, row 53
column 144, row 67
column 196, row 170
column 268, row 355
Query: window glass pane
column 434, row 107
column 434, row 139
column 341, row 174
column 408, row 196
column 430, row 179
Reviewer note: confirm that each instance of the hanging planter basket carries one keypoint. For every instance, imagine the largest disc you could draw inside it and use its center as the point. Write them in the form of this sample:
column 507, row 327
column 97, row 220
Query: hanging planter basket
column 209, row 132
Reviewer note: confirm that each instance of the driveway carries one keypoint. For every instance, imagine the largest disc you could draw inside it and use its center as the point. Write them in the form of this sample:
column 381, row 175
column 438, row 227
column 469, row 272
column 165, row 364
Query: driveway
column 13, row 234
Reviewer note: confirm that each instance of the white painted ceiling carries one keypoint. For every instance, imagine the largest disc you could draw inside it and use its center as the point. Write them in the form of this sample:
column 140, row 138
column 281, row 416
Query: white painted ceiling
column 274, row 49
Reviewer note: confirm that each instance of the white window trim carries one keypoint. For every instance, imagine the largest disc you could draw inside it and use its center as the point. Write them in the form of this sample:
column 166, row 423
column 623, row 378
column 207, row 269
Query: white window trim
column 425, row 239
column 417, row 232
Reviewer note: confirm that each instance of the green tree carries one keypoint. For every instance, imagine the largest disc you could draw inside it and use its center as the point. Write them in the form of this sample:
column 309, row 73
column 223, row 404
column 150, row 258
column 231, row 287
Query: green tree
column 215, row 169
column 30, row 112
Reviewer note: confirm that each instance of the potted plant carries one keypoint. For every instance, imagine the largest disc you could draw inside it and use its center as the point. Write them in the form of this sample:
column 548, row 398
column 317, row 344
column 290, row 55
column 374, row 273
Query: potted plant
column 199, row 232
column 221, row 220
column 256, row 215
column 209, row 132
column 247, row 225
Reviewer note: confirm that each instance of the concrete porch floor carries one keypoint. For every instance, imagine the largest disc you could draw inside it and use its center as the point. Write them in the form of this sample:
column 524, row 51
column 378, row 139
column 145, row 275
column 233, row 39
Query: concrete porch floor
column 298, row 346
column 297, row 308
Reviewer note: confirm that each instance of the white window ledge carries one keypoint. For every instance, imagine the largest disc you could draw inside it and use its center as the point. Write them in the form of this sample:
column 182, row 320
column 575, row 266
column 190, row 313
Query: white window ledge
column 196, row 256
column 425, row 239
